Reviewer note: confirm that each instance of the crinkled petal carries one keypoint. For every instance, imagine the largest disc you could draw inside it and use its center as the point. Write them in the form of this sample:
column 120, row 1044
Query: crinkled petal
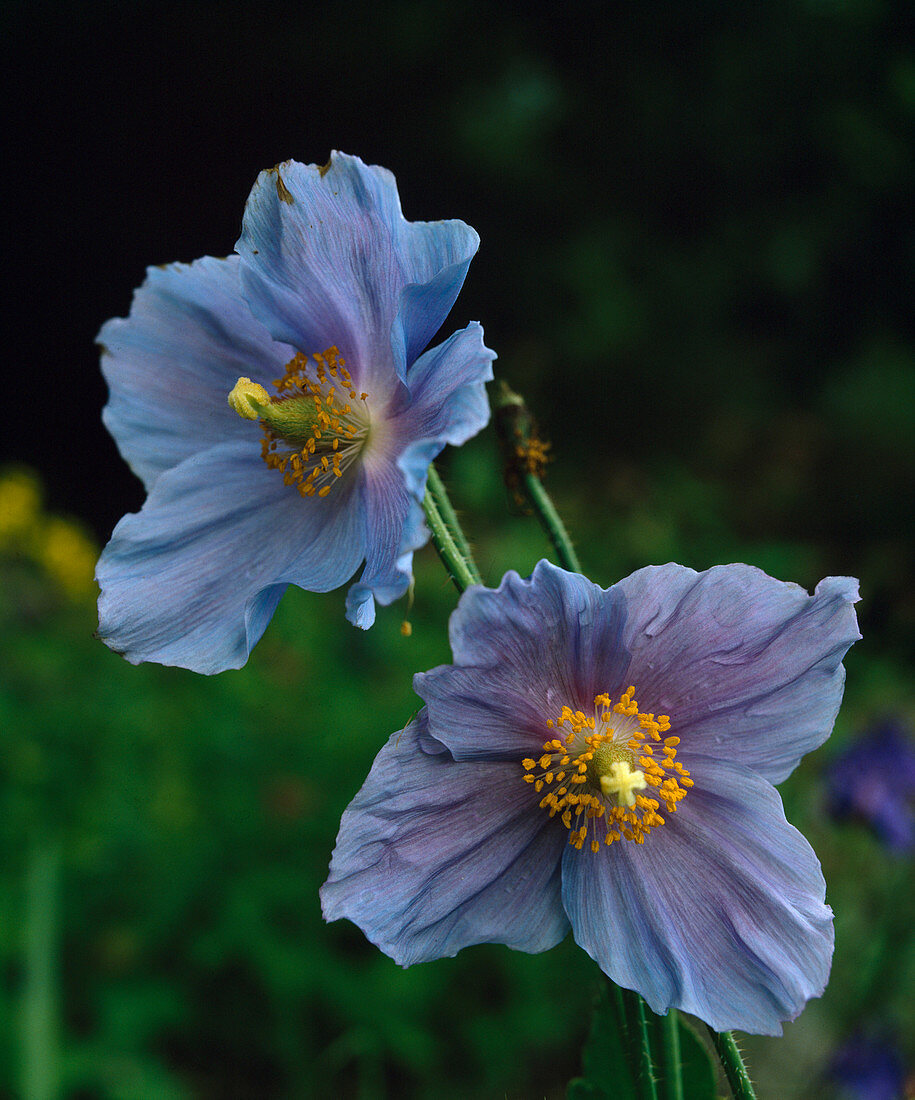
column 719, row 912
column 746, row 666
column 433, row 856
column 447, row 394
column 328, row 256
column 394, row 528
column 171, row 364
column 522, row 652
column 194, row 577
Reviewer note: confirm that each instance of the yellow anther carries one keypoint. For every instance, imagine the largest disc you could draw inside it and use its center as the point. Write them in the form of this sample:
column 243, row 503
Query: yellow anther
column 609, row 765
column 309, row 435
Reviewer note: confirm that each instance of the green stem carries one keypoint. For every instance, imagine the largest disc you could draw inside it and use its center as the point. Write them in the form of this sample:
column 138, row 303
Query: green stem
column 552, row 523
column 439, row 493
column 39, row 995
column 622, row 1015
column 523, row 454
column 454, row 561
column 646, row 1069
column 732, row 1061
column 670, row 1048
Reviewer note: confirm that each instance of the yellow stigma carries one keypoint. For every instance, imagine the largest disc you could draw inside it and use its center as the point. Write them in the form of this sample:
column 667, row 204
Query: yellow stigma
column 598, row 764
column 315, row 427
column 623, row 782
column 249, row 399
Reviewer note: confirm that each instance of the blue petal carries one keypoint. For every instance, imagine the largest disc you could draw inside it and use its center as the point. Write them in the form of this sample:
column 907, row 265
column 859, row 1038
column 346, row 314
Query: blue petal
column 394, row 528
column 328, row 256
column 720, row 912
column 445, row 403
column 522, row 652
column 171, row 364
column 443, row 248
column 745, row 665
column 434, row 856
column 447, row 393
column 194, row 577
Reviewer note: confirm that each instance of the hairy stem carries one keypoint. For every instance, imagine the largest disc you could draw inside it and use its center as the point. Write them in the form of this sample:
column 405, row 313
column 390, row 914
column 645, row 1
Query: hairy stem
column 456, row 564
column 436, row 488
column 551, row 522
column 524, row 455
column 732, row 1061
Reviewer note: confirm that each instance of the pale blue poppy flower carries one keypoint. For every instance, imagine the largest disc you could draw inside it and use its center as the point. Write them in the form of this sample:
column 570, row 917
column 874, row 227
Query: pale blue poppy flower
column 873, row 781
column 604, row 760
column 869, row 1067
column 330, row 300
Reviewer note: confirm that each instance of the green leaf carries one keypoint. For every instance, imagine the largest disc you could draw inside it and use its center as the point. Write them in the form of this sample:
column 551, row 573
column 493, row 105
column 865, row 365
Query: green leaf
column 699, row 1078
column 580, row 1089
column 608, row 1073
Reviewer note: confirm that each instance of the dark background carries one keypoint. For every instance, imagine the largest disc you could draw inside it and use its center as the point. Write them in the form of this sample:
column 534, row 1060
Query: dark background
column 701, row 210
column 697, row 263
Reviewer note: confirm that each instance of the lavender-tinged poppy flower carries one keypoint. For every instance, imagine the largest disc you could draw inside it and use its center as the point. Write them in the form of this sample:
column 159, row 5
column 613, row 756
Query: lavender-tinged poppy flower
column 331, row 300
column 604, row 759
column 873, row 780
column 868, row 1069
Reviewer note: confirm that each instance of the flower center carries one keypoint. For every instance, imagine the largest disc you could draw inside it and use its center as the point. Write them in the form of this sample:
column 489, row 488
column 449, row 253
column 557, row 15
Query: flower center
column 312, row 433
column 600, row 766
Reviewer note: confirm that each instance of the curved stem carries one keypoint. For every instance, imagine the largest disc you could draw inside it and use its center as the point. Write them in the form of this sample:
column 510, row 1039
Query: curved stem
column 439, row 493
column 551, row 523
column 732, row 1061
column 524, row 454
column 454, row 561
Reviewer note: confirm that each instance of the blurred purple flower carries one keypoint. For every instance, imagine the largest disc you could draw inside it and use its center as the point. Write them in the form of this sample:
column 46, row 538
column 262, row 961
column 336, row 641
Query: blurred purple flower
column 868, row 1069
column 532, row 794
column 331, row 299
column 873, row 781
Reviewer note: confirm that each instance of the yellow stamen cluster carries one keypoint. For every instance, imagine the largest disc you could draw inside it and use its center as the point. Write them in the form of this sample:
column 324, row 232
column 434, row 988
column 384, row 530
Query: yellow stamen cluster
column 598, row 768
column 316, row 425
column 533, row 454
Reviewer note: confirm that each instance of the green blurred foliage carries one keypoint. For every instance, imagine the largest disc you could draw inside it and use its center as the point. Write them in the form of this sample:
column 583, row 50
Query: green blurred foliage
column 709, row 307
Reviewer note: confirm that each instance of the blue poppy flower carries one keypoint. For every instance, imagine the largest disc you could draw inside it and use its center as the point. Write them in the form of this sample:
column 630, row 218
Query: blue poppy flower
column 331, row 300
column 604, row 760
column 873, row 781
column 868, row 1068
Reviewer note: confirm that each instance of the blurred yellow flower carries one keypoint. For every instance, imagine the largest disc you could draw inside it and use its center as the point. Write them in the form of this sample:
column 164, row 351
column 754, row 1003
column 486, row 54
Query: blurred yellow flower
column 68, row 556
column 58, row 546
column 20, row 506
